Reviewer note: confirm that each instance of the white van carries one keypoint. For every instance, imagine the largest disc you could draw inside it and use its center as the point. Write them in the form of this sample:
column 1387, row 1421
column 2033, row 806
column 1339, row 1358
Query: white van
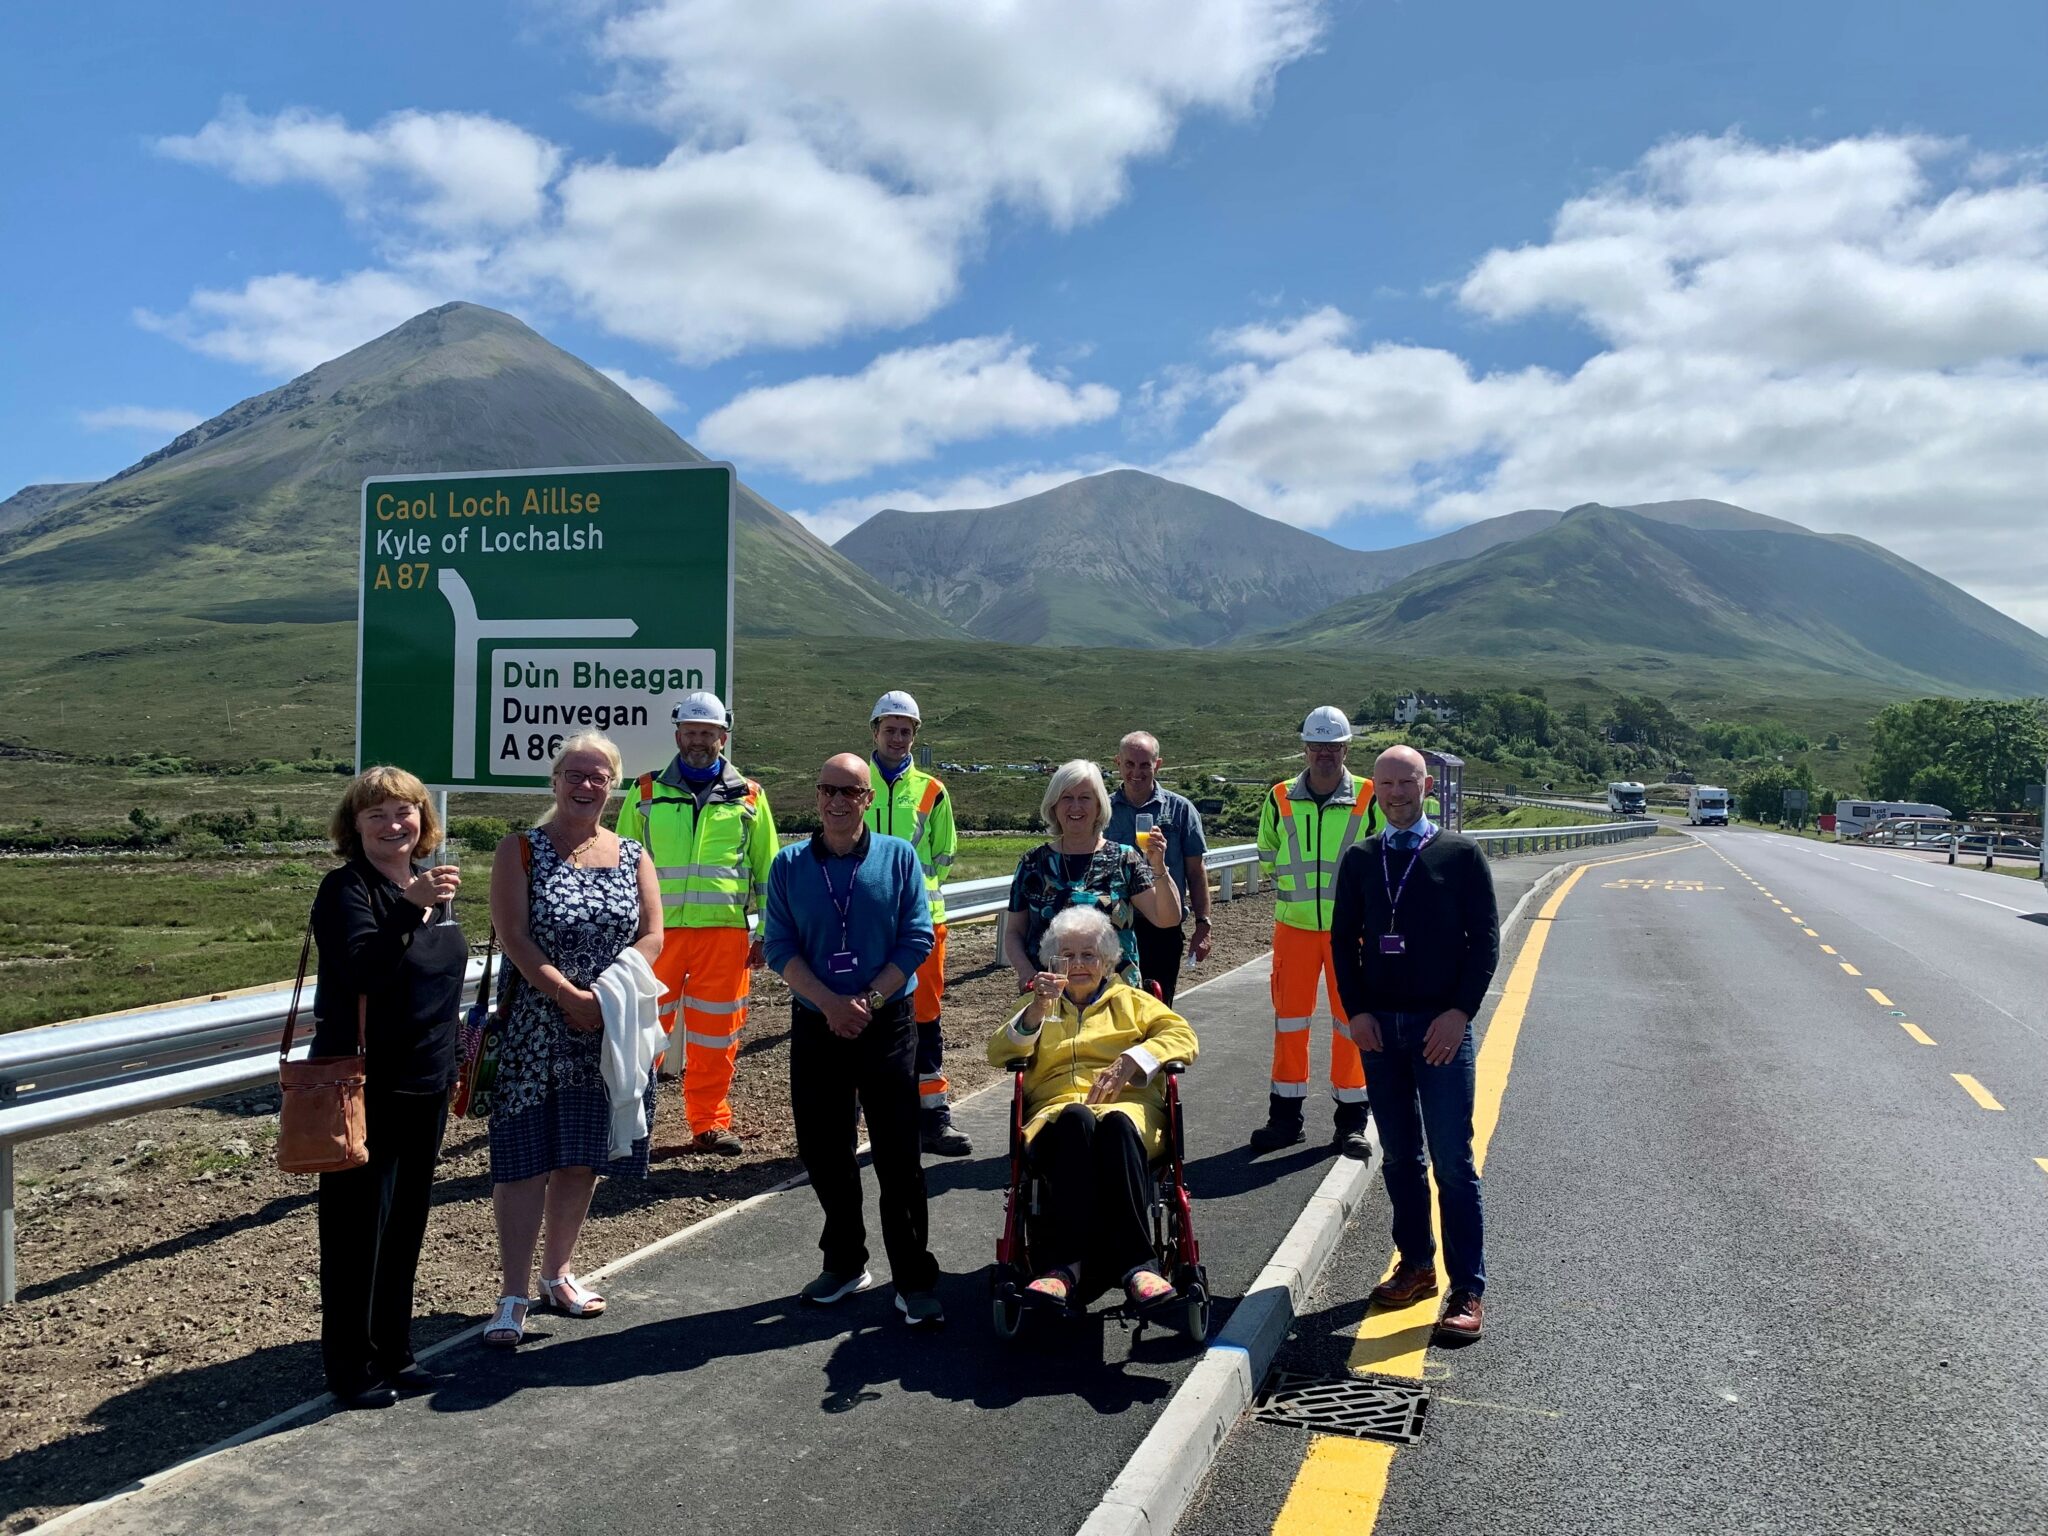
column 1855, row 818
column 1706, row 806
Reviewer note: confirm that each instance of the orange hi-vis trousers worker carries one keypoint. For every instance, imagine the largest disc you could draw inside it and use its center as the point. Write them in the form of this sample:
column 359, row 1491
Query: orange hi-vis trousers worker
column 1301, row 958
column 704, row 986
column 926, row 1001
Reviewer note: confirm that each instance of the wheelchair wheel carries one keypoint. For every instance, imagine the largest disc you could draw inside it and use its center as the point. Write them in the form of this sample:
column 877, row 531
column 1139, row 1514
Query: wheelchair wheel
column 1193, row 1286
column 1007, row 1313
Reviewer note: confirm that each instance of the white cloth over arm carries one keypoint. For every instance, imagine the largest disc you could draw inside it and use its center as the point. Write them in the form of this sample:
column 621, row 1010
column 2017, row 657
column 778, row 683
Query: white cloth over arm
column 629, row 997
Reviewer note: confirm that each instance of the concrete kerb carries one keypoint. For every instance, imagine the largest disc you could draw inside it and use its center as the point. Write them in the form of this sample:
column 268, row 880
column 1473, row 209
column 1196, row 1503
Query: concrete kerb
column 1155, row 1486
column 79, row 1513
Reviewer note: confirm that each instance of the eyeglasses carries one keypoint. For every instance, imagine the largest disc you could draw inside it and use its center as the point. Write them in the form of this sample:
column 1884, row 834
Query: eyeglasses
column 841, row 791
column 572, row 778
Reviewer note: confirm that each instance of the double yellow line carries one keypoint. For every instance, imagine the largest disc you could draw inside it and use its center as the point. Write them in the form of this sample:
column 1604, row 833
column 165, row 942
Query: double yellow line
column 1342, row 1481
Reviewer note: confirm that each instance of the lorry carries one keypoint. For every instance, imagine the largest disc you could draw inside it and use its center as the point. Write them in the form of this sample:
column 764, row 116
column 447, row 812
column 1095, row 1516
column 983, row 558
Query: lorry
column 1706, row 805
column 1627, row 799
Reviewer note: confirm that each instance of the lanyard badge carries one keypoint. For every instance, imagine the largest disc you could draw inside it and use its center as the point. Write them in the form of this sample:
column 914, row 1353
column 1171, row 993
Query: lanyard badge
column 1391, row 942
column 843, row 963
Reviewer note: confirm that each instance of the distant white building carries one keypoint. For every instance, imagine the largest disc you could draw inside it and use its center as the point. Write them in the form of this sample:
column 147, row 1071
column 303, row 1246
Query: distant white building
column 1411, row 707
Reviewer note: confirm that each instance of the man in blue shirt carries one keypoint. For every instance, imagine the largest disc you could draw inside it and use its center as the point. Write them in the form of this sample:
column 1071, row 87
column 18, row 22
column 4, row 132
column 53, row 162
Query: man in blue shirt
column 847, row 925
column 1159, row 949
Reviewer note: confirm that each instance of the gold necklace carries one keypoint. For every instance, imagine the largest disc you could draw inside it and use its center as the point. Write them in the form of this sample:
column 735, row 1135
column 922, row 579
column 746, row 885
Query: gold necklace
column 578, row 851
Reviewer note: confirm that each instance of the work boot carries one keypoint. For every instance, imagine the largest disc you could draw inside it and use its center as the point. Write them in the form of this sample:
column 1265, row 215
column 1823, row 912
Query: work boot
column 1282, row 1127
column 721, row 1140
column 1350, row 1137
column 939, row 1138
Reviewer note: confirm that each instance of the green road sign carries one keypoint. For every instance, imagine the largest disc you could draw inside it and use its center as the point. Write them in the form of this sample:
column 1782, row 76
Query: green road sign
column 501, row 612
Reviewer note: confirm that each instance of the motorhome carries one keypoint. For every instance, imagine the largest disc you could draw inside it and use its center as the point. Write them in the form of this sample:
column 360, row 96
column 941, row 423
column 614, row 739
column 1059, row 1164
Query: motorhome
column 1627, row 799
column 1855, row 818
column 1706, row 806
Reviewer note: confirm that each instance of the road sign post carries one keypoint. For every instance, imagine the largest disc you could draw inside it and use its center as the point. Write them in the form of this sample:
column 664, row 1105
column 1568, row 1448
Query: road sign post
column 502, row 612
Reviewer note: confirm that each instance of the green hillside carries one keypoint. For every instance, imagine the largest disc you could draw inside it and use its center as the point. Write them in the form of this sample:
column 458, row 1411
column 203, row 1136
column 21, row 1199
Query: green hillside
column 1607, row 588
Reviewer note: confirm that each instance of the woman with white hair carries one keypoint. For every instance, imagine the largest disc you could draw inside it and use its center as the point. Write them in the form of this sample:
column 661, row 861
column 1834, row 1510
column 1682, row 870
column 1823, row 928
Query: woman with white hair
column 1080, row 868
column 1094, row 1110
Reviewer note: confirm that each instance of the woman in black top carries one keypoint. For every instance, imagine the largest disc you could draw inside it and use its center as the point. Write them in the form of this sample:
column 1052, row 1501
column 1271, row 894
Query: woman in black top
column 375, row 922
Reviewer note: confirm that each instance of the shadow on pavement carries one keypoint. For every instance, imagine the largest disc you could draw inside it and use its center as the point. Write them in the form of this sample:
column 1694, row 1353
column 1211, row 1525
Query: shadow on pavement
column 1241, row 1170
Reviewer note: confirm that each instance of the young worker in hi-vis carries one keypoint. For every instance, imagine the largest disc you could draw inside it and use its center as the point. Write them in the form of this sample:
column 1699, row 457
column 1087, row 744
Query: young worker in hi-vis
column 711, row 836
column 913, row 805
column 1305, row 826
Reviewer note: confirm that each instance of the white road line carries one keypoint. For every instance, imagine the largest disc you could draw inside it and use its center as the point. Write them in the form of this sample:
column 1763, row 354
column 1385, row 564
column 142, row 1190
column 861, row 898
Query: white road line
column 1987, row 901
column 1831, row 858
column 1911, row 881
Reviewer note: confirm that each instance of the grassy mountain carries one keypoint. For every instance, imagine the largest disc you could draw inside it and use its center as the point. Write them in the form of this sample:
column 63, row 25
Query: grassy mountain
column 32, row 501
column 253, row 516
column 1695, row 582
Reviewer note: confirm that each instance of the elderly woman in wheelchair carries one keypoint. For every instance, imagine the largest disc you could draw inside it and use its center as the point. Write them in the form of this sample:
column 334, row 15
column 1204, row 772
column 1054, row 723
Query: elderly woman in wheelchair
column 1095, row 1107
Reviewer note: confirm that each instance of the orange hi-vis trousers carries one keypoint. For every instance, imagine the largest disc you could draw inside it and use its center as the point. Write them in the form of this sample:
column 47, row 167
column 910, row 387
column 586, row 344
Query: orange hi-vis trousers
column 1301, row 958
column 927, row 1000
column 705, row 981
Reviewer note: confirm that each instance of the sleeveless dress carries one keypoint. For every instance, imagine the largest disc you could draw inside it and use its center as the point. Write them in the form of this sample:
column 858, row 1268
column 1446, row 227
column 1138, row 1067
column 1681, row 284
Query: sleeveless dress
column 549, row 1108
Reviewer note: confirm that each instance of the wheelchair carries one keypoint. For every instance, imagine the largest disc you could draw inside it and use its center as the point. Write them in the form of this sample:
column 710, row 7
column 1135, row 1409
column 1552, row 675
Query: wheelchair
column 1174, row 1247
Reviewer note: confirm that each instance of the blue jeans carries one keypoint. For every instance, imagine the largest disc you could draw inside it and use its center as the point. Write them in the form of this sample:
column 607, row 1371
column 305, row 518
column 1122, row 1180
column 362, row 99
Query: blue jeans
column 1414, row 1101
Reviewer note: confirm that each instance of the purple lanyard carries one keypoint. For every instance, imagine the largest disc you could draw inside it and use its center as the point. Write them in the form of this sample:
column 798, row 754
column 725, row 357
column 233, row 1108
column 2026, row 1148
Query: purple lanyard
column 843, row 905
column 1394, row 892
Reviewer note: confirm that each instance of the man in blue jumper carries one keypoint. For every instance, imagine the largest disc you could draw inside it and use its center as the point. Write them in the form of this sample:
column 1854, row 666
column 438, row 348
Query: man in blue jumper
column 847, row 925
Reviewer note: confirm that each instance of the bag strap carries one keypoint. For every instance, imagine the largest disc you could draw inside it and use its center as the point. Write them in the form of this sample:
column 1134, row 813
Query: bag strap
column 483, row 987
column 291, row 1018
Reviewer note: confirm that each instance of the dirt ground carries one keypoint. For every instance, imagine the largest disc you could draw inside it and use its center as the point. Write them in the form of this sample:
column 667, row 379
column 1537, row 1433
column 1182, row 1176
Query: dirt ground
column 169, row 1289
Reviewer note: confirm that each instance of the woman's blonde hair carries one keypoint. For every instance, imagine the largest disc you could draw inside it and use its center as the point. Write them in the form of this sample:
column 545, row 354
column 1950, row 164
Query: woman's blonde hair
column 591, row 741
column 1067, row 776
column 371, row 787
column 1085, row 923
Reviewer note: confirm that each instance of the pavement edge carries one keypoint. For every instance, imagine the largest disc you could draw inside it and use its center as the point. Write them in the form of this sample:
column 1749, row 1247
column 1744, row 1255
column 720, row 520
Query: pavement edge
column 1153, row 1490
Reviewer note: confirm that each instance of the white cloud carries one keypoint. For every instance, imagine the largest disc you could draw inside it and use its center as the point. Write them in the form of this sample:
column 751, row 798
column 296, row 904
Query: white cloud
column 147, row 419
column 652, row 393
column 1853, row 336
column 902, row 407
column 285, row 323
column 1043, row 105
column 440, row 168
column 1324, row 327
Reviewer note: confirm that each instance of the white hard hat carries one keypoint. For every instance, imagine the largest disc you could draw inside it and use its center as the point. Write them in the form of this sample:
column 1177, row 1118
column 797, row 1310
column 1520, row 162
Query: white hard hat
column 701, row 708
column 1326, row 723
column 895, row 702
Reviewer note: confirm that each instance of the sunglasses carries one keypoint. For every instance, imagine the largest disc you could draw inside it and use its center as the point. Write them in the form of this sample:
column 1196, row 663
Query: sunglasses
column 841, row 791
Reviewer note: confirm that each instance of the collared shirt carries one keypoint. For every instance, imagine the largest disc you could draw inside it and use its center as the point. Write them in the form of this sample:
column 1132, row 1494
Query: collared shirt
column 888, row 920
column 1399, row 838
column 1173, row 814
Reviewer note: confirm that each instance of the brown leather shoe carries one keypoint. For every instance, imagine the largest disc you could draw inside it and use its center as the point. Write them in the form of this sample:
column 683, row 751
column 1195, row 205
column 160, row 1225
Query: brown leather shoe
column 1408, row 1284
column 1463, row 1316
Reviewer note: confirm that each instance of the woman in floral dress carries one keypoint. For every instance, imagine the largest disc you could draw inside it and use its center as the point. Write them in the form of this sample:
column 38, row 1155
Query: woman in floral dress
column 567, row 899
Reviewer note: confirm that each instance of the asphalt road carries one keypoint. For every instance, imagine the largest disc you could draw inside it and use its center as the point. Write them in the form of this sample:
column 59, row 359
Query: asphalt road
column 1758, row 1261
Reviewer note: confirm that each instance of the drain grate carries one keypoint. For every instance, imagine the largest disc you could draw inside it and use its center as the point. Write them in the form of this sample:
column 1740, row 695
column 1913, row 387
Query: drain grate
column 1366, row 1407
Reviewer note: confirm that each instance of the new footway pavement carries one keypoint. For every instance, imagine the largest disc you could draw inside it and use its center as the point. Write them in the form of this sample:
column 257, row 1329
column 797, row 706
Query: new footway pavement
column 708, row 1399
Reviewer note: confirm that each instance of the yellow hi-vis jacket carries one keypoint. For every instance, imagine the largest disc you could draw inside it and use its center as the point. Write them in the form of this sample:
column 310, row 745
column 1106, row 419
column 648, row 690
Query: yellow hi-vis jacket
column 917, row 809
column 1300, row 843
column 712, row 864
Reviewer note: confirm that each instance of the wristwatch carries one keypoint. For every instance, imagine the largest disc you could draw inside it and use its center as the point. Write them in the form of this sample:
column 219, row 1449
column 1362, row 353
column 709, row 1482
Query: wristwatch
column 876, row 1002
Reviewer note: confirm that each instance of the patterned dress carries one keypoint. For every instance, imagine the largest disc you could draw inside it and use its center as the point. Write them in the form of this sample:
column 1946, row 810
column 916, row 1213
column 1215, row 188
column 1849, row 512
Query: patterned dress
column 1048, row 881
column 549, row 1107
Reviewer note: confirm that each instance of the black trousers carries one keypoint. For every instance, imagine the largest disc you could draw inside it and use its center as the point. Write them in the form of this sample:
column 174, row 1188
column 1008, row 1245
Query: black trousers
column 372, row 1222
column 1096, row 1194
column 878, row 1068
column 1159, row 952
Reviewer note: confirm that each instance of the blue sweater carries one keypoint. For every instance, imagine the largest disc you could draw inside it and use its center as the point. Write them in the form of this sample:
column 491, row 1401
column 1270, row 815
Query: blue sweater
column 888, row 923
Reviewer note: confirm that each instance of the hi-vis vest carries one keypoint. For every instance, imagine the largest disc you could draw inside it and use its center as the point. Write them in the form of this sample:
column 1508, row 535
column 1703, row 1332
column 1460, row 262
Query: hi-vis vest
column 917, row 809
column 711, row 866
column 1300, row 843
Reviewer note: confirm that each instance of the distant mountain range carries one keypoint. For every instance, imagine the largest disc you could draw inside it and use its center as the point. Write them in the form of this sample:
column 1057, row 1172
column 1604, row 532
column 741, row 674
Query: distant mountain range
column 252, row 517
column 1129, row 559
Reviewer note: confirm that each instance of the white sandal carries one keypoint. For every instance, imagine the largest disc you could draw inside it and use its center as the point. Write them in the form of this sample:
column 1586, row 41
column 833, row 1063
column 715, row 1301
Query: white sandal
column 582, row 1302
column 507, row 1327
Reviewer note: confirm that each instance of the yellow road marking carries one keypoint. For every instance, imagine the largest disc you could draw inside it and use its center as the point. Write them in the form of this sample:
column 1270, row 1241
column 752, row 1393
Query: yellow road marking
column 1977, row 1091
column 1342, row 1481
column 1850, row 968
column 1827, row 949
column 1878, row 997
column 2043, row 1161
column 1811, row 934
column 1916, row 1032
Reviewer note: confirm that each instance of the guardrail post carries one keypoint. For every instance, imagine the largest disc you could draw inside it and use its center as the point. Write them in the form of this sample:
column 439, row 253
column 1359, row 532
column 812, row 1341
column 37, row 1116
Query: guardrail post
column 1225, row 887
column 7, row 1218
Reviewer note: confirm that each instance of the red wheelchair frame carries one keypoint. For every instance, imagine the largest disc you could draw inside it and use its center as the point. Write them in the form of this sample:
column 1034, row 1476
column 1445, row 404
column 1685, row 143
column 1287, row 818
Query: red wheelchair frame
column 1174, row 1247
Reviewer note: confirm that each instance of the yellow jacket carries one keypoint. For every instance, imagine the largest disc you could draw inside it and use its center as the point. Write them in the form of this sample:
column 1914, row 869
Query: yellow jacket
column 1071, row 1047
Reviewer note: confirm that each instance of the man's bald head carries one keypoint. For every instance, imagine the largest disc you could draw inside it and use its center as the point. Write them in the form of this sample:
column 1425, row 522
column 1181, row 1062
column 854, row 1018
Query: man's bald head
column 1400, row 783
column 845, row 768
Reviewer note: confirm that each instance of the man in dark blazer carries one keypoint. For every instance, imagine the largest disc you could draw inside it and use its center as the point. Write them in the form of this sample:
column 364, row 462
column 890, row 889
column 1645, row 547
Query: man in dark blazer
column 1415, row 936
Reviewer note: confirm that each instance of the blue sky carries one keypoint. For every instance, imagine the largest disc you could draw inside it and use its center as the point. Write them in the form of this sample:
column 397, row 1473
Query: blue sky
column 1377, row 269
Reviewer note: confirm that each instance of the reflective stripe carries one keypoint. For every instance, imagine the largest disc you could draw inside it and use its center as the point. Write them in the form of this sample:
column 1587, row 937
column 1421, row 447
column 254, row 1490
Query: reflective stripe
column 1289, row 1026
column 1360, row 815
column 700, row 871
column 667, row 1010
column 943, row 860
column 730, row 899
column 711, row 1042
column 698, row 1005
column 1348, row 1095
column 1290, row 1090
